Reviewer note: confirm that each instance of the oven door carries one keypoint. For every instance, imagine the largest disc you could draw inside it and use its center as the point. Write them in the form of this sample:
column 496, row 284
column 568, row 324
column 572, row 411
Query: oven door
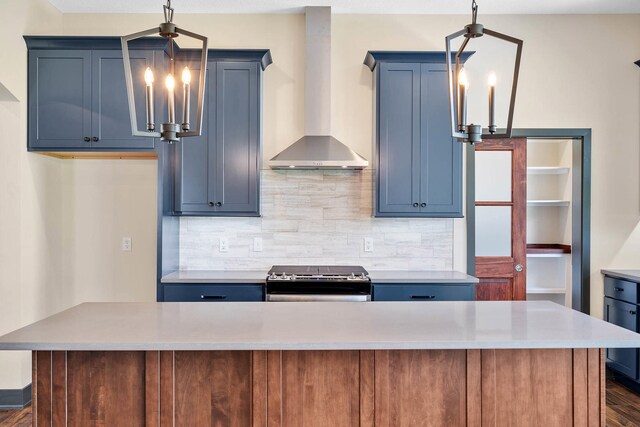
column 317, row 297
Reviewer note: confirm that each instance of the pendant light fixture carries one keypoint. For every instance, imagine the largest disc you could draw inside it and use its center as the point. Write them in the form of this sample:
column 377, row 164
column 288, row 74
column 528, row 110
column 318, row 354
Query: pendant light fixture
column 459, row 85
column 170, row 131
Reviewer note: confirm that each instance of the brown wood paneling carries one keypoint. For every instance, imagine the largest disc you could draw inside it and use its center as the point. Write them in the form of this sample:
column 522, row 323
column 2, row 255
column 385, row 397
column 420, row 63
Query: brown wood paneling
column 421, row 388
column 42, row 389
column 152, row 388
column 167, row 401
column 213, row 388
column 487, row 203
column 494, row 290
column 317, row 388
column 59, row 392
column 527, row 387
column 274, row 388
column 595, row 387
column 474, row 388
column 367, row 388
column 580, row 388
column 105, row 388
column 259, row 388
column 494, row 267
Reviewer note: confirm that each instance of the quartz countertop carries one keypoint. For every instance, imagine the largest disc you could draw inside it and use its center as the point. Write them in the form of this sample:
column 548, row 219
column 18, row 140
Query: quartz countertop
column 633, row 275
column 318, row 326
column 259, row 276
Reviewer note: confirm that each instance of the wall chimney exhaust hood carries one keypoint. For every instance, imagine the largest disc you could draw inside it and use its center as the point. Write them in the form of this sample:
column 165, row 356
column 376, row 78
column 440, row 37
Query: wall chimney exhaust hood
column 318, row 149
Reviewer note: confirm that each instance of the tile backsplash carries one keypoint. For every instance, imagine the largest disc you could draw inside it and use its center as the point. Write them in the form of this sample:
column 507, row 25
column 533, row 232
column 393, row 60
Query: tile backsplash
column 317, row 217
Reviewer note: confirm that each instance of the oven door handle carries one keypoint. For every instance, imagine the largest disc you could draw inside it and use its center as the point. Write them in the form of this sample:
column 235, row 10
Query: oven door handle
column 317, row 297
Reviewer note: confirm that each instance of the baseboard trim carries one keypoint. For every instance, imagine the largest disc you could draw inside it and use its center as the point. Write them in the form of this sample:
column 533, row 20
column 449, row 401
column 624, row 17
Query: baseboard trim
column 15, row 399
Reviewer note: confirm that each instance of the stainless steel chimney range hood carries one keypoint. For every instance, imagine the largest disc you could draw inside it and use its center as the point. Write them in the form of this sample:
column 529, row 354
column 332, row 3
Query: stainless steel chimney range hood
column 318, row 149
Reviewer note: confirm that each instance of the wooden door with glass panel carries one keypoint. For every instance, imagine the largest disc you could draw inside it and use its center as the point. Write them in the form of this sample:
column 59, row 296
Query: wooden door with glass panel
column 500, row 212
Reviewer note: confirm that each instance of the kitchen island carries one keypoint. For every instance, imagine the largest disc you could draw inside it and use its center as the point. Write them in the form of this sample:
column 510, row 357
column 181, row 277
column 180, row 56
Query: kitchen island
column 319, row 364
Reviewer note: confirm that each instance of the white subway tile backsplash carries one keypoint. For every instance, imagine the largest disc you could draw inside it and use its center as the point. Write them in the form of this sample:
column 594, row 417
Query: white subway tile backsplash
column 317, row 217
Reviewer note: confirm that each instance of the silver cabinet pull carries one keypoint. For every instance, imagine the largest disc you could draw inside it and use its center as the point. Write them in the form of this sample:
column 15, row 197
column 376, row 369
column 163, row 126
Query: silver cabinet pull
column 519, row 268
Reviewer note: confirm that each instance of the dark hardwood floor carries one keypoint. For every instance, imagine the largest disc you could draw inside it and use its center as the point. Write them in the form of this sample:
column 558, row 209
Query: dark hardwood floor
column 623, row 409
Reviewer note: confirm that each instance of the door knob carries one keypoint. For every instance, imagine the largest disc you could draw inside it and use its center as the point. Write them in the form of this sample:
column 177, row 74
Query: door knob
column 96, row 139
column 415, row 205
column 519, row 268
column 87, row 139
column 211, row 204
column 218, row 204
column 423, row 205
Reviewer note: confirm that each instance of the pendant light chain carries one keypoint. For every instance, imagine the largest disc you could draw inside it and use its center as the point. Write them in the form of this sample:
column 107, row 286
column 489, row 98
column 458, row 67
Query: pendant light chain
column 474, row 11
column 168, row 12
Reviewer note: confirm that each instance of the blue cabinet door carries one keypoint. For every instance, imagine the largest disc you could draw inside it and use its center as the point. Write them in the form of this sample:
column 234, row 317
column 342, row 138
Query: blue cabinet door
column 399, row 139
column 237, row 127
column 217, row 174
column 213, row 293
column 110, row 125
column 440, row 154
column 59, row 99
column 194, row 179
column 419, row 165
column 623, row 360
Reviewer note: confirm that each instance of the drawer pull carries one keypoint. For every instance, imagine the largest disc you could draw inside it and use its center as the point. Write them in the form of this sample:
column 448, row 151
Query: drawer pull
column 218, row 297
column 632, row 312
column 618, row 289
column 423, row 297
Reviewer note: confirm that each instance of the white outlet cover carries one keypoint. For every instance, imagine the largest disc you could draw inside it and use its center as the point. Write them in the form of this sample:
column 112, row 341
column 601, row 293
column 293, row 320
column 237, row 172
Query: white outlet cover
column 257, row 244
column 368, row 244
column 224, row 244
column 126, row 244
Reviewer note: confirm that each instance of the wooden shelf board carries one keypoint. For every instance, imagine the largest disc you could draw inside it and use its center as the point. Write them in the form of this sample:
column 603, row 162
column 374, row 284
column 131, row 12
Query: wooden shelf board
column 547, row 170
column 547, row 249
column 146, row 155
column 548, row 203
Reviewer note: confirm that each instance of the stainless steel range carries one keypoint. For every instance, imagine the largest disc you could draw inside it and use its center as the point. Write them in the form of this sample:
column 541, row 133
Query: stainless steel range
column 318, row 283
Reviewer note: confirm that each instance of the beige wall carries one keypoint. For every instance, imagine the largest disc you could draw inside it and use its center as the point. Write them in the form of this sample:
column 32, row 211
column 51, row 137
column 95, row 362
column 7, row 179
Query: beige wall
column 63, row 220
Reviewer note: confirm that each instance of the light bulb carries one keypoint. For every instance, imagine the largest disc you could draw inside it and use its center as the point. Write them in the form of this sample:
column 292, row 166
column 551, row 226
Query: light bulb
column 186, row 76
column 462, row 78
column 148, row 76
column 492, row 79
column 170, row 83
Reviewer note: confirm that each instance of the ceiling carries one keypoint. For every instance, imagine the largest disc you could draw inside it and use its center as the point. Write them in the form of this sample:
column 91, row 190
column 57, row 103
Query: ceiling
column 353, row 6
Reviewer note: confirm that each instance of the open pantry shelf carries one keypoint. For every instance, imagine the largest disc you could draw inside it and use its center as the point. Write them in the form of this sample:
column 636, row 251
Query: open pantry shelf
column 547, row 249
column 547, row 291
column 547, row 170
column 548, row 203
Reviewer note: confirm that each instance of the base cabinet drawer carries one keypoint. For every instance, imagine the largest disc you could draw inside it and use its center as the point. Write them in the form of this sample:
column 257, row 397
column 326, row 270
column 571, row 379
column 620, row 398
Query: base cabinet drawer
column 621, row 289
column 428, row 292
column 623, row 360
column 212, row 293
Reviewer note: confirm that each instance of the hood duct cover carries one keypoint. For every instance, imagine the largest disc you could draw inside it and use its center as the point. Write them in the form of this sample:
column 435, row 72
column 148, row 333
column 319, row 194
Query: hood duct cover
column 317, row 149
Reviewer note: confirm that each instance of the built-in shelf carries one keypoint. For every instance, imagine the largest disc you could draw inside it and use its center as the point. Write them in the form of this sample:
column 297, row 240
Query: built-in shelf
column 548, row 203
column 548, row 249
column 547, row 170
column 546, row 291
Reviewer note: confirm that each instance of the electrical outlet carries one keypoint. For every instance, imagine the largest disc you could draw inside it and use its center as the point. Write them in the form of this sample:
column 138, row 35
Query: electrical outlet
column 126, row 244
column 257, row 244
column 368, row 244
column 224, row 244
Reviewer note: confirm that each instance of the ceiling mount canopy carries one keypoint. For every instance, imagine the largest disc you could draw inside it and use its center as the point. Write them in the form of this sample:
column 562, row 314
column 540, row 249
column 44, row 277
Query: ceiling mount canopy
column 171, row 131
column 459, row 82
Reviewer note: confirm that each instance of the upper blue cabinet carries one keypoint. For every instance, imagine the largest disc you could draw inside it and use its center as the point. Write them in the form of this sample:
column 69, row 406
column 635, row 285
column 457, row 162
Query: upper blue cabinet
column 418, row 164
column 218, row 173
column 78, row 97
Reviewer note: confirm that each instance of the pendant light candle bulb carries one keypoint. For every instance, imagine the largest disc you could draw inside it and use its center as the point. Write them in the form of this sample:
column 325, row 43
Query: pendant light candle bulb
column 462, row 78
column 148, row 79
column 463, row 85
column 186, row 98
column 492, row 79
column 170, row 84
column 492, row 102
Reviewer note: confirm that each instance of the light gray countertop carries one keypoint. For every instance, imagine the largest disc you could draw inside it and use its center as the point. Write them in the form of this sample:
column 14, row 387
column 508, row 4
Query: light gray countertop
column 258, row 276
column 318, row 326
column 633, row 275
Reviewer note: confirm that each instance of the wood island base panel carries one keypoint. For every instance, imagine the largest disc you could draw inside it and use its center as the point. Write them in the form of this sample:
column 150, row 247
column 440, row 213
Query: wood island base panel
column 502, row 387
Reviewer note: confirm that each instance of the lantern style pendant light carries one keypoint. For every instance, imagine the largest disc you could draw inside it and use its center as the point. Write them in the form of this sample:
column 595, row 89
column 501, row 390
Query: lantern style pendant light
column 459, row 84
column 170, row 131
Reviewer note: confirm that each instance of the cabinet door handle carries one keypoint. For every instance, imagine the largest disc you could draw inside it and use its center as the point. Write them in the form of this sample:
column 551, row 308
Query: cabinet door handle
column 423, row 205
column 618, row 289
column 96, row 139
column 218, row 204
column 87, row 139
column 423, row 297
column 213, row 297
column 211, row 204
column 415, row 205
column 632, row 312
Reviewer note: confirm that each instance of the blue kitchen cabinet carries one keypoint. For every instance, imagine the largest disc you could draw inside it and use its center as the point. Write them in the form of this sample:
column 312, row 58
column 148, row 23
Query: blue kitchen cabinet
column 418, row 164
column 77, row 94
column 424, row 292
column 213, row 292
column 217, row 174
column 621, row 308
